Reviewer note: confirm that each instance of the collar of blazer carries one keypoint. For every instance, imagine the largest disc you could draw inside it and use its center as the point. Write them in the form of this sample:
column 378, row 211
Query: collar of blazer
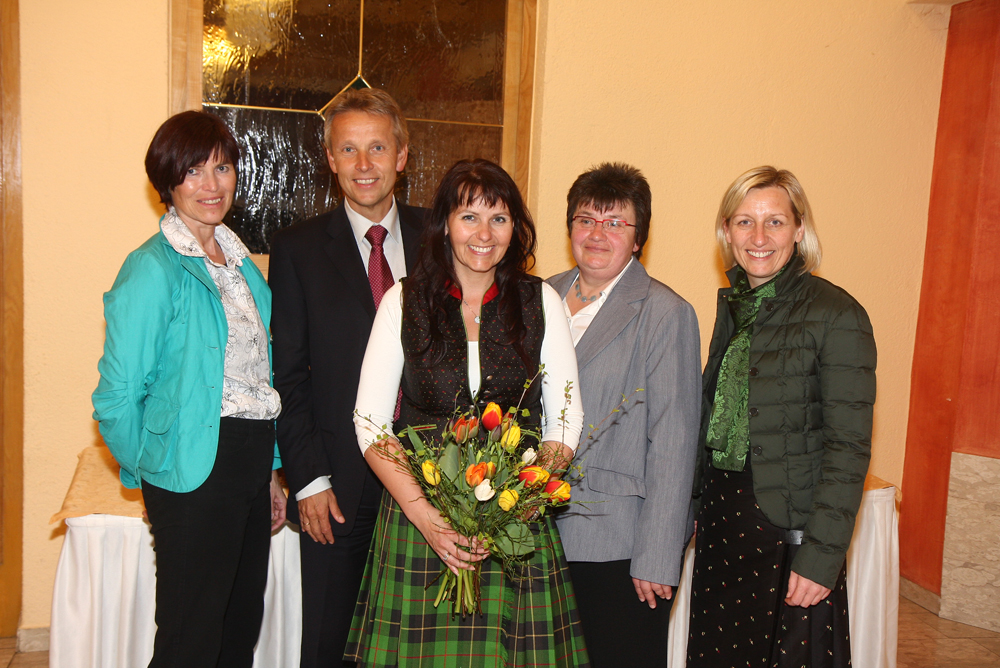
column 618, row 311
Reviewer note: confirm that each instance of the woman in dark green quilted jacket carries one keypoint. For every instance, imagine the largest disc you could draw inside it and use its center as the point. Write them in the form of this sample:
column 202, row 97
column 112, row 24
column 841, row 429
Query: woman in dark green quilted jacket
column 786, row 428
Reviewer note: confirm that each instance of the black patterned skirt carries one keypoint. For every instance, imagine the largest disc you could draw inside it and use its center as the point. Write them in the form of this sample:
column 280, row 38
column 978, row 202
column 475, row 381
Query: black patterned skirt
column 741, row 569
column 528, row 621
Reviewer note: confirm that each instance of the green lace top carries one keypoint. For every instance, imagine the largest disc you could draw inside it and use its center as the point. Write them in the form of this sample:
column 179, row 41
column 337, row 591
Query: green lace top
column 729, row 426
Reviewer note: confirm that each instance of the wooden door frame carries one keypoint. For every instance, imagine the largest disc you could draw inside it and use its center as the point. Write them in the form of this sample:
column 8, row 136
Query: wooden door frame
column 11, row 324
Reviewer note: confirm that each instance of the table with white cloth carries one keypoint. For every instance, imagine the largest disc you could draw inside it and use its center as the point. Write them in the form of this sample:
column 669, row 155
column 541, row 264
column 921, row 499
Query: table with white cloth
column 105, row 589
column 872, row 585
column 103, row 604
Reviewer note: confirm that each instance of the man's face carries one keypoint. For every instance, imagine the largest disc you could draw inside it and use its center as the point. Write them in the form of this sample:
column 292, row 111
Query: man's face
column 364, row 155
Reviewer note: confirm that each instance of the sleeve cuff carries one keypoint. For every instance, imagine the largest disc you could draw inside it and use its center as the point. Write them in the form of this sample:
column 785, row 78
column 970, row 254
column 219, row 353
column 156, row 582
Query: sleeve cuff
column 320, row 484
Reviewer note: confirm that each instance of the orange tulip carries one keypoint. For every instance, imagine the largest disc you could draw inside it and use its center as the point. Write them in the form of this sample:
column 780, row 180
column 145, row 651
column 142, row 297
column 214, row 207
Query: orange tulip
column 475, row 474
column 558, row 491
column 533, row 476
column 466, row 428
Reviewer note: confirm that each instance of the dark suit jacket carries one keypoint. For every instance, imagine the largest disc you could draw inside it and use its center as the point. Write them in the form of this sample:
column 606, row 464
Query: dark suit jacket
column 321, row 320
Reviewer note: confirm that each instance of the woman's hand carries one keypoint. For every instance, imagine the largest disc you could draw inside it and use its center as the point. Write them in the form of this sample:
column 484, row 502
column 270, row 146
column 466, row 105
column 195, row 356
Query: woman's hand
column 803, row 592
column 554, row 456
column 455, row 550
column 279, row 503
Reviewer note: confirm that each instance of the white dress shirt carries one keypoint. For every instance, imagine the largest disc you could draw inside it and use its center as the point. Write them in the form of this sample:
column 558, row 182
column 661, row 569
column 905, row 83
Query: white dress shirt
column 383, row 368
column 580, row 321
column 392, row 247
column 393, row 244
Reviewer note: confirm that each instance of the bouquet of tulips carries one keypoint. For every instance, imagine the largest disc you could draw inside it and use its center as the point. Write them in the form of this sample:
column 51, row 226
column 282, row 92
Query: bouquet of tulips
column 487, row 484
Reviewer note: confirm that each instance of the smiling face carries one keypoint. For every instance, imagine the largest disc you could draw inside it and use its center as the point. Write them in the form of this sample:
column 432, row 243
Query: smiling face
column 364, row 155
column 762, row 233
column 480, row 235
column 601, row 255
column 206, row 194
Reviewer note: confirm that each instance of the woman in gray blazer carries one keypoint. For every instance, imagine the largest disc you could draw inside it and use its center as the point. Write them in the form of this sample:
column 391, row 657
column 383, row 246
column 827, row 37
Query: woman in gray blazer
column 625, row 541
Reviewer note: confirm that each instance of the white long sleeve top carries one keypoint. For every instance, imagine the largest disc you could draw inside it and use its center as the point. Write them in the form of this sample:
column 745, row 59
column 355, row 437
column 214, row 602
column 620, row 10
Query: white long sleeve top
column 383, row 368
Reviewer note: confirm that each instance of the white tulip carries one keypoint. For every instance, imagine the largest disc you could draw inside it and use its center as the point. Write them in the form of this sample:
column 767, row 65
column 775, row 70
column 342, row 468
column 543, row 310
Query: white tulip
column 484, row 491
column 529, row 456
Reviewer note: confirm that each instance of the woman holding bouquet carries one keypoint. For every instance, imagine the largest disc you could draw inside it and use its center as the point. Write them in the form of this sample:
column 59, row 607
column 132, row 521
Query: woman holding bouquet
column 466, row 329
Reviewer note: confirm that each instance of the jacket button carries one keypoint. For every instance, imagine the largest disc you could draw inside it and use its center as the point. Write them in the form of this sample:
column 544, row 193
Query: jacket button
column 753, row 371
column 753, row 412
column 769, row 308
column 757, row 449
column 489, row 377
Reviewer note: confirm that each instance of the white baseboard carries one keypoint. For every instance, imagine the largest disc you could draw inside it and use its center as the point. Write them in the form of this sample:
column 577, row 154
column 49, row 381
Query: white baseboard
column 33, row 640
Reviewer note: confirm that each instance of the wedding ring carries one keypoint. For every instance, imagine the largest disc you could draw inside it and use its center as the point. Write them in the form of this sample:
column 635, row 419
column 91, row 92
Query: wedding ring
column 306, row 523
column 445, row 557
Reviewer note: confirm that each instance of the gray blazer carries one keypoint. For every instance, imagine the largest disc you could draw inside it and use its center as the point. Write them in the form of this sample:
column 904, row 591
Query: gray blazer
column 639, row 463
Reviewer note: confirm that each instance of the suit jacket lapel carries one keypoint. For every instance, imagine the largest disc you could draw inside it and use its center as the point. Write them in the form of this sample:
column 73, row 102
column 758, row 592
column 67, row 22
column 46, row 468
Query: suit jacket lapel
column 342, row 249
column 617, row 312
column 196, row 266
column 412, row 227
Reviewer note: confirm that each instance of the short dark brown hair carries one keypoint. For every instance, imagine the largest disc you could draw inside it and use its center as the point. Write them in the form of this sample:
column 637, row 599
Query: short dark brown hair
column 613, row 184
column 183, row 141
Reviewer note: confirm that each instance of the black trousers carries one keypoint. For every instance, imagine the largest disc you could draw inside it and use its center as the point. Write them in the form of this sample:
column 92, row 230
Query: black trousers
column 331, row 579
column 620, row 630
column 212, row 547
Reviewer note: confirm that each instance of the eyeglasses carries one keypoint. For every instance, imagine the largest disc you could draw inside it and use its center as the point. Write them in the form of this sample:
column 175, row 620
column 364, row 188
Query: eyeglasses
column 611, row 225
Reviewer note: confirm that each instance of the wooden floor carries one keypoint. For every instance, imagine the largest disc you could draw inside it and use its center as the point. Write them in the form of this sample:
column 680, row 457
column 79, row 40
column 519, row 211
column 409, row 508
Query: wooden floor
column 925, row 641
column 8, row 659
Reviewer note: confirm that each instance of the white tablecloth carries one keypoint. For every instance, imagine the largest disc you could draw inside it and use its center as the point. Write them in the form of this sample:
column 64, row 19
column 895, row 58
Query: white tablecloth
column 102, row 610
column 105, row 594
column 872, row 587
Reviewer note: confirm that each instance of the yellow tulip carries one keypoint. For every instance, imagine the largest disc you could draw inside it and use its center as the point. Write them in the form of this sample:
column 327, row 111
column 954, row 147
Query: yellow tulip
column 511, row 437
column 508, row 499
column 431, row 473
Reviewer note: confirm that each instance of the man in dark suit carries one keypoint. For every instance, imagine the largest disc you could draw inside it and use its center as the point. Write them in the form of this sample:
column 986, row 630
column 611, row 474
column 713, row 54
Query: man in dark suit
column 327, row 275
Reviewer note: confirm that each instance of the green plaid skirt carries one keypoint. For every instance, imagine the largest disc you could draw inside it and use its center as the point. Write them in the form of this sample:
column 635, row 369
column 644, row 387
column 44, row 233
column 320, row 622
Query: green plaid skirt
column 396, row 623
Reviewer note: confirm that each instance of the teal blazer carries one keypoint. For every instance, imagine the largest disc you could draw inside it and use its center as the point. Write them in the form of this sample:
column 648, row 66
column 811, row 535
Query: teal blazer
column 160, row 395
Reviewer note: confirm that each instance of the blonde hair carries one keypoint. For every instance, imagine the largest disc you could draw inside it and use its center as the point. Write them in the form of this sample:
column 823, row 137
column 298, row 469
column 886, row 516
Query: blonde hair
column 371, row 101
column 769, row 177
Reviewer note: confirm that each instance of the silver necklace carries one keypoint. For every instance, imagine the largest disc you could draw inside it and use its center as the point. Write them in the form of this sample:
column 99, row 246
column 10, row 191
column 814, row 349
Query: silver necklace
column 580, row 296
column 471, row 310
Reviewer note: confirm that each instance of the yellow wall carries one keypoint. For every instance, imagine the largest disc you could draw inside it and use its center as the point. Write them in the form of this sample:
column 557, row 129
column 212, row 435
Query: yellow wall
column 845, row 94
column 93, row 91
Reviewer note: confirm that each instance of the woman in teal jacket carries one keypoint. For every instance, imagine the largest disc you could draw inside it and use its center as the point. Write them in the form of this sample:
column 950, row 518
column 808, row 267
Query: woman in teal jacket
column 786, row 431
column 185, row 401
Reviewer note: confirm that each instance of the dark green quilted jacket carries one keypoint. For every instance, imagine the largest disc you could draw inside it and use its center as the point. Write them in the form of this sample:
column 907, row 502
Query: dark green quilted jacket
column 812, row 388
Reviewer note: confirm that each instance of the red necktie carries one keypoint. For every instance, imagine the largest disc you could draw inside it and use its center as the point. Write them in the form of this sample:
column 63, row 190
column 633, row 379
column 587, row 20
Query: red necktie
column 380, row 278
column 379, row 274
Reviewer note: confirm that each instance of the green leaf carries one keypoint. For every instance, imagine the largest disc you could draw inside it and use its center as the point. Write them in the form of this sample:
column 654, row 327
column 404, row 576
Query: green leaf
column 449, row 461
column 519, row 536
column 414, row 438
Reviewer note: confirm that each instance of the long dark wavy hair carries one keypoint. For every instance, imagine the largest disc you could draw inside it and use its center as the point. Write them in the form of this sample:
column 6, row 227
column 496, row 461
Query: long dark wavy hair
column 470, row 181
